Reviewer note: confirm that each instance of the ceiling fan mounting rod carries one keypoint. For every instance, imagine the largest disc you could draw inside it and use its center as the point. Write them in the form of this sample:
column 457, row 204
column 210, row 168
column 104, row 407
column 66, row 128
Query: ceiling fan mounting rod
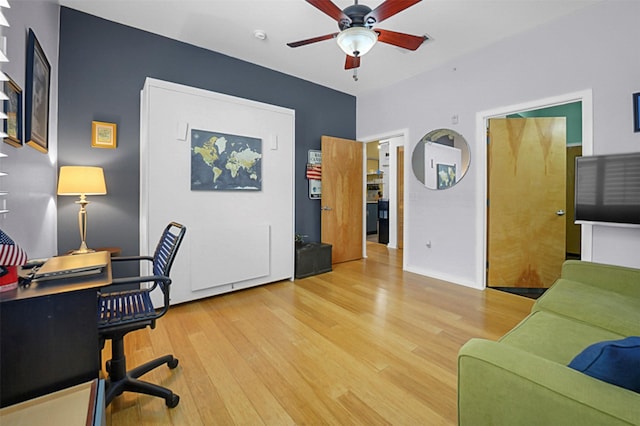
column 357, row 14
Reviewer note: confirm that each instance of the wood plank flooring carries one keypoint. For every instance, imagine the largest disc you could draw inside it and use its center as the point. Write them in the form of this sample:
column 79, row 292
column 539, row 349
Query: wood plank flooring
column 366, row 344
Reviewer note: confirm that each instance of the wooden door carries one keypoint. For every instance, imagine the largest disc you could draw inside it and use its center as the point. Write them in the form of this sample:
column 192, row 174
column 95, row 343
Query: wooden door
column 527, row 201
column 400, row 195
column 342, row 199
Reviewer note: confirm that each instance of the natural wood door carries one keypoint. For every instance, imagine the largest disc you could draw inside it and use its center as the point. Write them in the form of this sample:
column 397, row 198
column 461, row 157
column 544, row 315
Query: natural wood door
column 400, row 195
column 341, row 223
column 527, row 201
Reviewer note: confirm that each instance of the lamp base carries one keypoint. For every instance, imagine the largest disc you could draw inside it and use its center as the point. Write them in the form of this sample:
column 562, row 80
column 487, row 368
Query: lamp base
column 82, row 251
column 85, row 251
column 83, row 231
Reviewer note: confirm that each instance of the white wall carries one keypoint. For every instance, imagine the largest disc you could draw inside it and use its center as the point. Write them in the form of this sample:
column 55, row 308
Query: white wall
column 32, row 178
column 595, row 48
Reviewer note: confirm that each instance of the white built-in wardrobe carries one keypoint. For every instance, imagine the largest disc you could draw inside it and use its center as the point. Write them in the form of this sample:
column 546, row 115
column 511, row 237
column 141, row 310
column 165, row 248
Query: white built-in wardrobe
column 235, row 238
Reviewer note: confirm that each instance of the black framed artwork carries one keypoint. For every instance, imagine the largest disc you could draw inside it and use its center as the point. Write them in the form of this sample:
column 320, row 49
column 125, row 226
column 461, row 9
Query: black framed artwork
column 37, row 93
column 636, row 112
column 13, row 110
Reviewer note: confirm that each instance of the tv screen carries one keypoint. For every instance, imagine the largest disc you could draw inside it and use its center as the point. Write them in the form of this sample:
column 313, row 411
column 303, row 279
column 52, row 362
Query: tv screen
column 608, row 189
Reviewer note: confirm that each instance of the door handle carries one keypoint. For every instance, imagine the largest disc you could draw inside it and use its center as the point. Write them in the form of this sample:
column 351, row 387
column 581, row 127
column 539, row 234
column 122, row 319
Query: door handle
column 560, row 212
column 325, row 208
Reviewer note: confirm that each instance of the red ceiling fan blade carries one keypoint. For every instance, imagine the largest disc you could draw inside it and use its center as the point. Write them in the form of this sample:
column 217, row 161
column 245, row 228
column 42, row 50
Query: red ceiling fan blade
column 311, row 40
column 328, row 7
column 406, row 41
column 352, row 62
column 388, row 9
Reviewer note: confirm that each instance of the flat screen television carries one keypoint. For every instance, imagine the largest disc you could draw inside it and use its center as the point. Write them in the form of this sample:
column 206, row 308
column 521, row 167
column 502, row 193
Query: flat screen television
column 608, row 189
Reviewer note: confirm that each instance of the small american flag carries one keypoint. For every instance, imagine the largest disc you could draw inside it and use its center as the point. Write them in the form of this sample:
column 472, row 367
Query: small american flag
column 10, row 253
column 314, row 171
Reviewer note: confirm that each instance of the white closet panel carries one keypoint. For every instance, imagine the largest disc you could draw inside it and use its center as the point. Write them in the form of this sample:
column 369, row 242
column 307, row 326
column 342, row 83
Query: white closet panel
column 235, row 238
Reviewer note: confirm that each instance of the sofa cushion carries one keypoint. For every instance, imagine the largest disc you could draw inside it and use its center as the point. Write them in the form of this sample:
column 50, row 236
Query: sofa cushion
column 616, row 362
column 594, row 305
column 555, row 337
column 618, row 279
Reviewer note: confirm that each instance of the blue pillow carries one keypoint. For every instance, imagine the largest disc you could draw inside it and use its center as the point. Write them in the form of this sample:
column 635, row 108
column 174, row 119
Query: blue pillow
column 615, row 361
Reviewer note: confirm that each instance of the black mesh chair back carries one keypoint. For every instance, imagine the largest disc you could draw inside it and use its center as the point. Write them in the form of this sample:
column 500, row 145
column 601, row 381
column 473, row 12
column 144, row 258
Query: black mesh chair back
column 125, row 311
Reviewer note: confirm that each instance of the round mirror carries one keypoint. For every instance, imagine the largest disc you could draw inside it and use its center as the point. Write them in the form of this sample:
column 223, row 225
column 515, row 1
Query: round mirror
column 441, row 159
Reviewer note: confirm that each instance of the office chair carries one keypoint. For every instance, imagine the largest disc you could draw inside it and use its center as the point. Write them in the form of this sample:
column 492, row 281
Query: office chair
column 122, row 312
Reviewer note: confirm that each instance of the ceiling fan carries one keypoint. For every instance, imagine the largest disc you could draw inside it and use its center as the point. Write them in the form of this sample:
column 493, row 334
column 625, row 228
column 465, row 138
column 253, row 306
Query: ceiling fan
column 357, row 35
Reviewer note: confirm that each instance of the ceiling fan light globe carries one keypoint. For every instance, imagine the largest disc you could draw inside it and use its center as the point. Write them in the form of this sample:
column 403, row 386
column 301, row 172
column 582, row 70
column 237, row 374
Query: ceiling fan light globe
column 356, row 41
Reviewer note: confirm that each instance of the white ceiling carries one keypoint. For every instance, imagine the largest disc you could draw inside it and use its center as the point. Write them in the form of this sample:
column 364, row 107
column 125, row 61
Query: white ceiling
column 455, row 27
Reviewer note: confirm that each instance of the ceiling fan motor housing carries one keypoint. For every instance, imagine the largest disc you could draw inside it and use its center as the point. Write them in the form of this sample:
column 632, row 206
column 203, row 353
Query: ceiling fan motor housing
column 357, row 14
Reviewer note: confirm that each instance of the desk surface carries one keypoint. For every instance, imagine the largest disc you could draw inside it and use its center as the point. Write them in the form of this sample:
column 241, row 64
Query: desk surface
column 78, row 405
column 66, row 284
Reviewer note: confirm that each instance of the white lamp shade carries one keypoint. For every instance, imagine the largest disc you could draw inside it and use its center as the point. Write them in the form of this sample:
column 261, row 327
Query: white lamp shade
column 357, row 41
column 78, row 180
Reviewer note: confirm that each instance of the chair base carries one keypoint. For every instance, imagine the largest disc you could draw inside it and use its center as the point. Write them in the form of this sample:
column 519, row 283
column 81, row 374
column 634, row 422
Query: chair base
column 120, row 380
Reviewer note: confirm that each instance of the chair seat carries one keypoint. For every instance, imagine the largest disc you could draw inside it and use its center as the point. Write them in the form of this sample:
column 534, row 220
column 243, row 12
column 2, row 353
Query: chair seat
column 123, row 307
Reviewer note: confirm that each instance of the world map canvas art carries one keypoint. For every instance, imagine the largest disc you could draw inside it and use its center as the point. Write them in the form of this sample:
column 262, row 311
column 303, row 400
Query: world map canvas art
column 220, row 161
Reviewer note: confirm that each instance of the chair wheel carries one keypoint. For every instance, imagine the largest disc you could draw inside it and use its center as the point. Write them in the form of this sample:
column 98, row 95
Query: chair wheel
column 173, row 364
column 172, row 401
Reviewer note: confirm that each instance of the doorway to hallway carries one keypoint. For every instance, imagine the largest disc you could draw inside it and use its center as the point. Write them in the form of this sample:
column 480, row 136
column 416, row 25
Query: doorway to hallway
column 584, row 102
column 384, row 190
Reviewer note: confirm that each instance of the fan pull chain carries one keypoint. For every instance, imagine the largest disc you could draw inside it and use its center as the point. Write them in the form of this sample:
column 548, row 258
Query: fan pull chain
column 355, row 74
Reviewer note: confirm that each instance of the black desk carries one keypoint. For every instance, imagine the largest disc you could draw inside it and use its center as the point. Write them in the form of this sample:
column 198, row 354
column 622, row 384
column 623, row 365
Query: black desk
column 49, row 335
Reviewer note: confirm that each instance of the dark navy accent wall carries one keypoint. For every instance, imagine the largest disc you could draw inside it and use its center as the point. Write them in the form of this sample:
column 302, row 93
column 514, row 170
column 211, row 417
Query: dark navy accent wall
column 102, row 68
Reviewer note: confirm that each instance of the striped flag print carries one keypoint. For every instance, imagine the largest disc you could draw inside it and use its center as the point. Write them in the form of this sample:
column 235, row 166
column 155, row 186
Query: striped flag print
column 10, row 253
column 314, row 171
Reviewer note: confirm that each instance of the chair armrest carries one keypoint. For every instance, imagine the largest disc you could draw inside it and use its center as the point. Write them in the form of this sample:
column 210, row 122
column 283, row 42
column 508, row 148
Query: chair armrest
column 163, row 280
column 500, row 384
column 139, row 280
column 129, row 258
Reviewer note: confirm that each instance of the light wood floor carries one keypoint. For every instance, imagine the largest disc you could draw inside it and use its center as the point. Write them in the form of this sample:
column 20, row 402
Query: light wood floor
column 365, row 344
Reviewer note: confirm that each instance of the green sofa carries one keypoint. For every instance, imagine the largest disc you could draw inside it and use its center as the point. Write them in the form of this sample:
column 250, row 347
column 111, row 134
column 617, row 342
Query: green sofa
column 523, row 379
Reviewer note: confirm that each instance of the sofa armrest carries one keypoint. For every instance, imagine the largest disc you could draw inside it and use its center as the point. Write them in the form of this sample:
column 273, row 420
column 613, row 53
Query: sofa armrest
column 502, row 385
column 616, row 278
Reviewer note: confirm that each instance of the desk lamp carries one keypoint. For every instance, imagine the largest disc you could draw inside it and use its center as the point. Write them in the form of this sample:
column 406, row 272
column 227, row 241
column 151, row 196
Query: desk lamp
column 82, row 181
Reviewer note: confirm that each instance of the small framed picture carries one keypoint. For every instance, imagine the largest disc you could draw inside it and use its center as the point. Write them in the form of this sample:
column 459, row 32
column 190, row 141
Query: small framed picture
column 37, row 96
column 13, row 109
column 103, row 135
column 636, row 112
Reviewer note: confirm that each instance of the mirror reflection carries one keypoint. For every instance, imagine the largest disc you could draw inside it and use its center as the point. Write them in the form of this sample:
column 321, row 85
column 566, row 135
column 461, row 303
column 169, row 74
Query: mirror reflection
column 441, row 159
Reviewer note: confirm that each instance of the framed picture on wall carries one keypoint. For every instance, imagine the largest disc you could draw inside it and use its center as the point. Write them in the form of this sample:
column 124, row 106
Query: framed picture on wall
column 446, row 175
column 225, row 162
column 37, row 96
column 103, row 135
column 13, row 109
column 636, row 112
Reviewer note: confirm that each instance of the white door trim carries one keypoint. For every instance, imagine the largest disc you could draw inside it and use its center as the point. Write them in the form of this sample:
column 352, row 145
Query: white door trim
column 393, row 200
